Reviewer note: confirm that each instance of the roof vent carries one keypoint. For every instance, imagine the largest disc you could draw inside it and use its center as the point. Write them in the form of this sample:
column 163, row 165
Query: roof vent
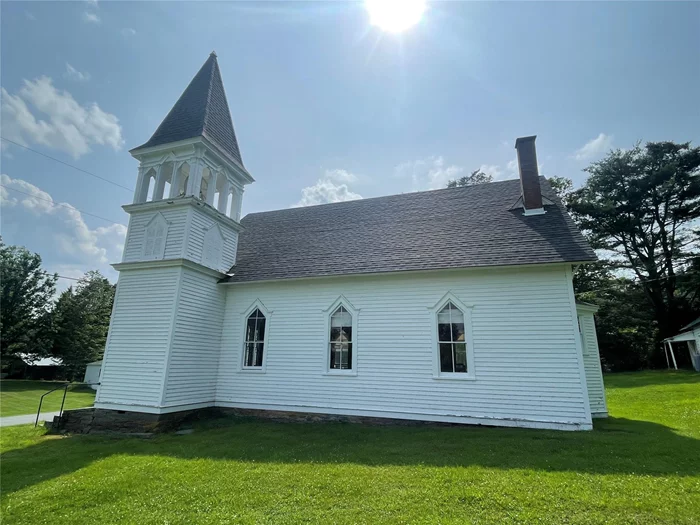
column 529, row 175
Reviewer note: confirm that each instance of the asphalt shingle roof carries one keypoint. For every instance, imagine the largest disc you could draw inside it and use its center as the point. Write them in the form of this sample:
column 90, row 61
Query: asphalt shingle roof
column 201, row 111
column 451, row 228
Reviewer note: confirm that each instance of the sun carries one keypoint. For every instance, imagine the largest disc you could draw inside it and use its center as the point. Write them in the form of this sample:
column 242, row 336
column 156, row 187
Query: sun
column 395, row 16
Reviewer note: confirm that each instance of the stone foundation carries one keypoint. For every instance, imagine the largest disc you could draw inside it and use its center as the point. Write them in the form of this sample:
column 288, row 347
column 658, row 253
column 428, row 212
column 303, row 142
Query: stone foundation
column 100, row 421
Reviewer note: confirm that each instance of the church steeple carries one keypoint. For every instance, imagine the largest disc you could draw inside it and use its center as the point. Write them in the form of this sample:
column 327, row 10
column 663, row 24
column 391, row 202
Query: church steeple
column 194, row 151
column 201, row 111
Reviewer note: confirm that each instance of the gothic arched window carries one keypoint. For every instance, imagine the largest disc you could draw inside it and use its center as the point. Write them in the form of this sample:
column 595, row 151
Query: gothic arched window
column 254, row 343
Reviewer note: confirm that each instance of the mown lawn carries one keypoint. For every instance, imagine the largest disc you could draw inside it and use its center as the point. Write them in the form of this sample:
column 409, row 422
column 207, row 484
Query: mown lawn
column 22, row 397
column 640, row 466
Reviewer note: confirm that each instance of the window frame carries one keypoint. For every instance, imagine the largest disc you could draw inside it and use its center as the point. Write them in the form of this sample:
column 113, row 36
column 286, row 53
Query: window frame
column 257, row 304
column 468, row 339
column 328, row 312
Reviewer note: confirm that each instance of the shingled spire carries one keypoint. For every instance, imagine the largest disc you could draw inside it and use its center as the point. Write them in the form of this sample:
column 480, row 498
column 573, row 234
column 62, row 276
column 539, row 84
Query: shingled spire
column 201, row 111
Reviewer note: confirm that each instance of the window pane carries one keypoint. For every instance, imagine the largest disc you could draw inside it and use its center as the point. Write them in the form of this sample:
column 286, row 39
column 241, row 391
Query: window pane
column 443, row 332
column 460, row 357
column 347, row 356
column 341, row 318
column 347, row 334
column 446, row 357
column 335, row 334
column 259, row 354
column 457, row 331
column 444, row 315
column 457, row 315
column 250, row 329
column 249, row 350
column 260, row 329
column 335, row 356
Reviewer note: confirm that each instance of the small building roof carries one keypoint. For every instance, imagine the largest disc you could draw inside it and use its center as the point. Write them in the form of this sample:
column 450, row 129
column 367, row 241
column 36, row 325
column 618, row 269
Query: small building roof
column 464, row 227
column 201, row 111
column 44, row 361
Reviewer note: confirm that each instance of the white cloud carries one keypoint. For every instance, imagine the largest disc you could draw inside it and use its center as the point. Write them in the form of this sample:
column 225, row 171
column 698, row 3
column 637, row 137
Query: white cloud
column 93, row 3
column 326, row 191
column 340, row 176
column 428, row 174
column 495, row 171
column 71, row 127
column 91, row 18
column 595, row 147
column 128, row 31
column 73, row 74
column 29, row 15
column 63, row 227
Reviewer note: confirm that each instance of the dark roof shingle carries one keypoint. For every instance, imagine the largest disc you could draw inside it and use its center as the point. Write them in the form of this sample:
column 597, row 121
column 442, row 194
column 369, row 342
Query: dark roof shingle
column 451, row 228
column 201, row 111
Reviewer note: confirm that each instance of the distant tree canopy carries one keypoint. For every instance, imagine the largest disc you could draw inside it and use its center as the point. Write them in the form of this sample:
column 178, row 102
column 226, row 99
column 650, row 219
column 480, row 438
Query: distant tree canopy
column 475, row 177
column 32, row 321
column 81, row 321
column 26, row 294
column 640, row 208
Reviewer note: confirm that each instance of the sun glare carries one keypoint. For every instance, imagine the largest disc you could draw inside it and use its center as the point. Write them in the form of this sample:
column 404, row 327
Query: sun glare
column 395, row 16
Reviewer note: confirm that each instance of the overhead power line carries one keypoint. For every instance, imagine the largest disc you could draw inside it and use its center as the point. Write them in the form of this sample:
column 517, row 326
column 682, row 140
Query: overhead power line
column 60, row 204
column 69, row 165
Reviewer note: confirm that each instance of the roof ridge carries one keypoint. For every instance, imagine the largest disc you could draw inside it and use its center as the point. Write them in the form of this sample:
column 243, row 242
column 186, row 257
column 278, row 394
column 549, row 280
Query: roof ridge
column 366, row 199
column 212, row 57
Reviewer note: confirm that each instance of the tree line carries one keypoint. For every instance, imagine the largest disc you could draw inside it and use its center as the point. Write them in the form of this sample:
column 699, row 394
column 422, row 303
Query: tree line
column 640, row 210
column 35, row 323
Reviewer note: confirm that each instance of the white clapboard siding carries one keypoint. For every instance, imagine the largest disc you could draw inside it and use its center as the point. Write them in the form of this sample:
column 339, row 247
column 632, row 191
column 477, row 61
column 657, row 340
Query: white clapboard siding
column 194, row 354
column 591, row 360
column 526, row 347
column 200, row 223
column 177, row 221
column 139, row 335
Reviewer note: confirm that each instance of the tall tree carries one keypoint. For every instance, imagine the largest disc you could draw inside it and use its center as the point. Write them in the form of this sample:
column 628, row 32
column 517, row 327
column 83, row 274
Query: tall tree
column 561, row 186
column 81, row 321
column 475, row 177
column 640, row 208
column 26, row 293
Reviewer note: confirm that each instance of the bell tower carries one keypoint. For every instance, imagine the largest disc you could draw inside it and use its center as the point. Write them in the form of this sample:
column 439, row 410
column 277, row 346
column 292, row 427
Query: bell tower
column 164, row 337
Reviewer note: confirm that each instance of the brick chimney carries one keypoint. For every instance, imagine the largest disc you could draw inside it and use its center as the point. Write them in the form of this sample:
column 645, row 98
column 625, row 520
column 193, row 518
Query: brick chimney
column 529, row 175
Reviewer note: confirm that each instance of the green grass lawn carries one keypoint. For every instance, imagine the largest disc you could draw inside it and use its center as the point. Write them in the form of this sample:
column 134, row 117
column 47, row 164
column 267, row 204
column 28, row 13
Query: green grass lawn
column 22, row 397
column 642, row 465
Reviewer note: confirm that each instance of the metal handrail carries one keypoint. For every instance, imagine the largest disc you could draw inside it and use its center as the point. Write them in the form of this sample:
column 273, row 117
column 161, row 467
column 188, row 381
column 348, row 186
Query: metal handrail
column 63, row 402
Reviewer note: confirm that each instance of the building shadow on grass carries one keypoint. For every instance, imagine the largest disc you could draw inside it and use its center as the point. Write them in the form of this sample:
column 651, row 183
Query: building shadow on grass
column 617, row 446
column 624, row 380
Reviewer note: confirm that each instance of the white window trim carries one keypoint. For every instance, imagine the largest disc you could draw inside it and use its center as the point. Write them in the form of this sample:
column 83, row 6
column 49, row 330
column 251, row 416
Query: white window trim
column 468, row 339
column 354, row 312
column 155, row 257
column 266, row 341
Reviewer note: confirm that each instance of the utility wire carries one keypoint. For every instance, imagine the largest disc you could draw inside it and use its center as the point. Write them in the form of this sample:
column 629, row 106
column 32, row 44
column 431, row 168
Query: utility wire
column 641, row 281
column 59, row 204
column 66, row 164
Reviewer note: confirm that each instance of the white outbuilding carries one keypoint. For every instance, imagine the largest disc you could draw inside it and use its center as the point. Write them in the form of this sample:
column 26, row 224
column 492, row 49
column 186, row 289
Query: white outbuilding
column 690, row 334
column 92, row 374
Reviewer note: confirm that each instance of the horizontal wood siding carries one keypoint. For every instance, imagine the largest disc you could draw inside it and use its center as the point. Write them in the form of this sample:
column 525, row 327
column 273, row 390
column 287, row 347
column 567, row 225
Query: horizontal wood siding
column 201, row 222
column 591, row 361
column 177, row 220
column 194, row 358
column 135, row 356
column 525, row 344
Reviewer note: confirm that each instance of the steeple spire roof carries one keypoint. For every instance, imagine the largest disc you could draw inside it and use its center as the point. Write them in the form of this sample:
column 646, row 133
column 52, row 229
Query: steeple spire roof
column 201, row 111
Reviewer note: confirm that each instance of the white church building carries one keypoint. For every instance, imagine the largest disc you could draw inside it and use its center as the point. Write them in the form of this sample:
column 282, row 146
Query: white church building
column 452, row 305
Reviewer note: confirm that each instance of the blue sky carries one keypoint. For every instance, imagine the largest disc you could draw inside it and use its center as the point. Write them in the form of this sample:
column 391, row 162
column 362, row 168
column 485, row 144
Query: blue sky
column 325, row 106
